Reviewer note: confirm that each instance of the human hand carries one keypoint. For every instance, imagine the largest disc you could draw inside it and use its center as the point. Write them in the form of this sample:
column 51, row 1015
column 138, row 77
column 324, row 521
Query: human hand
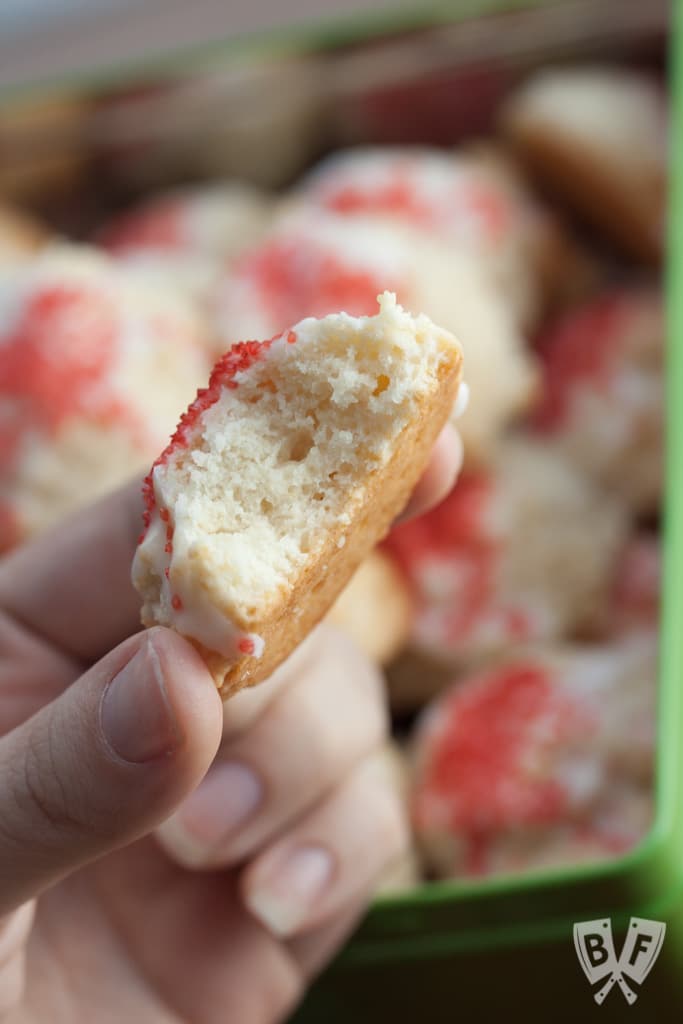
column 101, row 918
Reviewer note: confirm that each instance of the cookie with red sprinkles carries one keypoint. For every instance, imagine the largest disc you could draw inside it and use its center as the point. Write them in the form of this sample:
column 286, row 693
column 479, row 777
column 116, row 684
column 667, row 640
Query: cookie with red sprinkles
column 282, row 475
column 315, row 262
column 93, row 366
column 536, row 745
column 188, row 236
column 472, row 199
column 602, row 400
column 520, row 552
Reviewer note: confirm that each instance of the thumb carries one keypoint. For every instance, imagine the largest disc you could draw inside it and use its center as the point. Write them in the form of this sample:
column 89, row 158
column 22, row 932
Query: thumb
column 106, row 762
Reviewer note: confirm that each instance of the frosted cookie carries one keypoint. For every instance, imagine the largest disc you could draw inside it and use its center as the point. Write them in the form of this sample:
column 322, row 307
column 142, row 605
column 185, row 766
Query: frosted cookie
column 375, row 608
column 190, row 235
column 598, row 136
column 93, row 369
column 314, row 263
column 534, row 744
column 524, row 551
column 603, row 392
column 282, row 476
column 474, row 200
column 611, row 829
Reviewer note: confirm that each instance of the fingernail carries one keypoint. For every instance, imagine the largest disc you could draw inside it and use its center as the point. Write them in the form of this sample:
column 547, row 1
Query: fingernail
column 284, row 897
column 227, row 797
column 136, row 717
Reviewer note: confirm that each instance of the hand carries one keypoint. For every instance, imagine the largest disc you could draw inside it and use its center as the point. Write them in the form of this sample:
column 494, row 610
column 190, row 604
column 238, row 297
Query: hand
column 272, row 814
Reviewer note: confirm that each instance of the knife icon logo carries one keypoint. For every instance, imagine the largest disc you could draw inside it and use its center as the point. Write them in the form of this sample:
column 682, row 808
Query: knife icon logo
column 594, row 946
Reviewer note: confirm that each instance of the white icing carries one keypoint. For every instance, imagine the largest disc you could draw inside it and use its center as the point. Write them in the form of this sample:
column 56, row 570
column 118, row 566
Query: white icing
column 462, row 400
column 197, row 617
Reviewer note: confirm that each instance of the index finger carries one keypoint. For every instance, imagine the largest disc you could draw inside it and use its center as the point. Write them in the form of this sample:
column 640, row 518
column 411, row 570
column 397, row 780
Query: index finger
column 72, row 585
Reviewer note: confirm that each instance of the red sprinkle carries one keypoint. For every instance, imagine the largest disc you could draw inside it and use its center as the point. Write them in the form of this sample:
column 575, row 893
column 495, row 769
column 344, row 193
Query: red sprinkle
column 163, row 515
column 397, row 198
column 490, row 739
column 237, row 359
column 166, row 573
column 400, row 196
column 454, row 531
column 580, row 348
column 176, row 602
column 56, row 364
column 297, row 277
column 246, row 645
column 291, row 337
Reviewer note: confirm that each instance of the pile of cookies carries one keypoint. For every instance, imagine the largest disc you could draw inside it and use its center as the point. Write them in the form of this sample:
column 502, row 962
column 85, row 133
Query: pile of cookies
column 517, row 621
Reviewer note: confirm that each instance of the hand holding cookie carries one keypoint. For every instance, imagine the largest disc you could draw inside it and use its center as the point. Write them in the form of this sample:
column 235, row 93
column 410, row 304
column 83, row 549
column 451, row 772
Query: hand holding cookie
column 106, row 732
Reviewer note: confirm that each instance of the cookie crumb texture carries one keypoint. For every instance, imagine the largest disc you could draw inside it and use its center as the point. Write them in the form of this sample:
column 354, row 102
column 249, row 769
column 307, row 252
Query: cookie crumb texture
column 313, row 437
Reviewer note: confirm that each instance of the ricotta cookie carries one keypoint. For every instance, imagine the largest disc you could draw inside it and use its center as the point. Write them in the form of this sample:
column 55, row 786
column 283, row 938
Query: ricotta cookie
column 93, row 369
column 283, row 475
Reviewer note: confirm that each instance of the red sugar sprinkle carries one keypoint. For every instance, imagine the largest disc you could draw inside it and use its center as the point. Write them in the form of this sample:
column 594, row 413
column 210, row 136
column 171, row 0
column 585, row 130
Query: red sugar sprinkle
column 454, row 532
column 176, row 602
column 396, row 198
column 300, row 277
column 163, row 515
column 291, row 337
column 56, row 364
column 168, row 548
column 581, row 347
column 237, row 359
column 166, row 573
column 491, row 738
column 246, row 645
column 468, row 200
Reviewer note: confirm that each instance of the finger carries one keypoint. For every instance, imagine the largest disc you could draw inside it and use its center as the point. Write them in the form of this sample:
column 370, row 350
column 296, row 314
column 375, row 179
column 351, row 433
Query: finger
column 14, row 933
column 316, row 948
column 215, row 963
column 308, row 739
column 334, row 854
column 104, row 763
column 440, row 475
column 243, row 710
column 32, row 673
column 79, row 573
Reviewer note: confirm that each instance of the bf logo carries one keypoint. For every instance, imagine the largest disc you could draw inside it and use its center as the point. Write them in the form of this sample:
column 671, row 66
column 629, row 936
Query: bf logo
column 595, row 949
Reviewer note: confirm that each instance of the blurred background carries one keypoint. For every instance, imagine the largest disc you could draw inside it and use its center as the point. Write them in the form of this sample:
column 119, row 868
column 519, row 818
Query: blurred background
column 176, row 177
